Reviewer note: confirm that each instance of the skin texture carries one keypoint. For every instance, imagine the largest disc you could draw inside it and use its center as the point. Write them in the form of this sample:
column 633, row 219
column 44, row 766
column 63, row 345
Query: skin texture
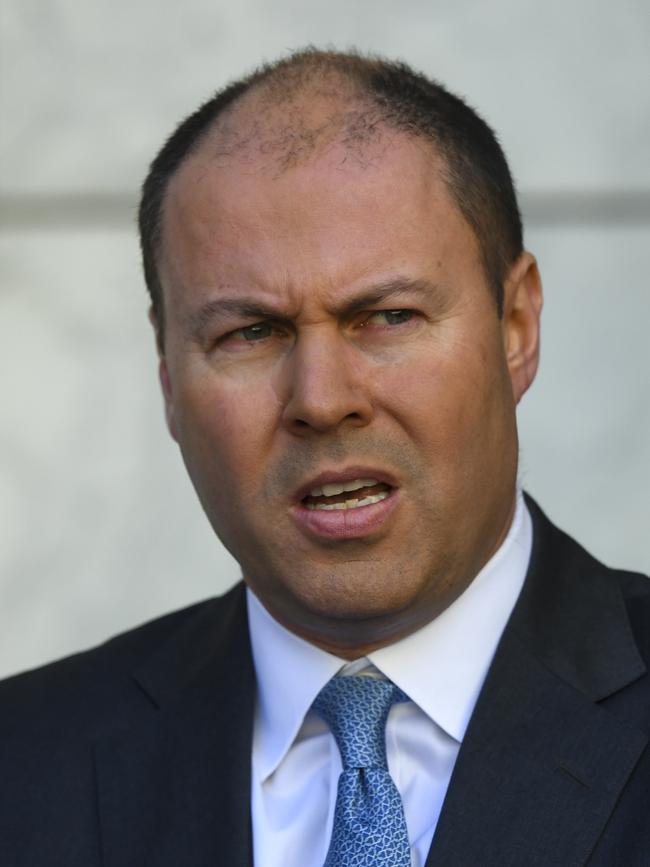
column 282, row 365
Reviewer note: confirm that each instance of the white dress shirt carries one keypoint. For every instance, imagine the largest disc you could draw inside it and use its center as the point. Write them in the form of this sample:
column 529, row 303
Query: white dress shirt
column 441, row 667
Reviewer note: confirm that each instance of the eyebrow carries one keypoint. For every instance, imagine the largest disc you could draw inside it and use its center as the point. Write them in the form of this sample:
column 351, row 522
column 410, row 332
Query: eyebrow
column 387, row 291
column 252, row 308
column 228, row 308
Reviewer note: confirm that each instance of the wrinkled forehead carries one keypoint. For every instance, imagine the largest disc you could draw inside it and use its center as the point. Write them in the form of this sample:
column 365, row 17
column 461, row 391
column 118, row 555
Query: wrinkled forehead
column 253, row 166
column 266, row 142
column 298, row 181
column 323, row 229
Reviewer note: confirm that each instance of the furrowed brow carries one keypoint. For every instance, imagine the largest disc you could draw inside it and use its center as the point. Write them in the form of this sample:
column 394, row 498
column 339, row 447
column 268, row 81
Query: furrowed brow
column 227, row 308
column 252, row 308
column 390, row 291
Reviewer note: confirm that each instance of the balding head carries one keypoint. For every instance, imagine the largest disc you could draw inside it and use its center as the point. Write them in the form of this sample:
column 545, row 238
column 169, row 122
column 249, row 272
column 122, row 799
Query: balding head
column 284, row 128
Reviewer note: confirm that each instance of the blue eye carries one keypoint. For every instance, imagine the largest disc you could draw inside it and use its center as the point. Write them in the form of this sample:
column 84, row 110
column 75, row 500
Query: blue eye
column 389, row 317
column 396, row 317
column 258, row 331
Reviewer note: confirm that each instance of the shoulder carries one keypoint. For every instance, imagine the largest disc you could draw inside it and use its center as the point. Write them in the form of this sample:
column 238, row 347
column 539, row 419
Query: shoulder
column 591, row 612
column 635, row 589
column 557, row 552
column 97, row 689
column 56, row 723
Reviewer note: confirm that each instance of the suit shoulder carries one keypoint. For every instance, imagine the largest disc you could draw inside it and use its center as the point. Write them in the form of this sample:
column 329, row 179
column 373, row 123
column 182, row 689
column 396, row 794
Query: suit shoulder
column 96, row 683
column 635, row 587
column 552, row 546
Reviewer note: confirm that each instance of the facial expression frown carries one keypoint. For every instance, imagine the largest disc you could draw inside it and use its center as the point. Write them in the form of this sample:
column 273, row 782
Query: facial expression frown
column 340, row 384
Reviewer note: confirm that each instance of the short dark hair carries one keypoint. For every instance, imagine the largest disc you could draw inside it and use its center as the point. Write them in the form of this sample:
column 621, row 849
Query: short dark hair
column 476, row 170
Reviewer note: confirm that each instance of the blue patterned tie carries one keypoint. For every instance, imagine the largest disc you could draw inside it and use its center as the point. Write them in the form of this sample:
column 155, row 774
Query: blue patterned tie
column 369, row 825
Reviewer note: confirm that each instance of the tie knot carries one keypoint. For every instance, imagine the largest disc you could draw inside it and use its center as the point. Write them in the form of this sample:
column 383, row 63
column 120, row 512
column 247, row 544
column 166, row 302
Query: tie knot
column 356, row 709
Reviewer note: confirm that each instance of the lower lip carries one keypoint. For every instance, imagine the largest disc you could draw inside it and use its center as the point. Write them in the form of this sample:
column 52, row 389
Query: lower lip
column 345, row 523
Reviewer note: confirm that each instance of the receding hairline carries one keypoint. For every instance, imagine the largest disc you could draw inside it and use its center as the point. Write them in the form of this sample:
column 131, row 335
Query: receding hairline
column 287, row 128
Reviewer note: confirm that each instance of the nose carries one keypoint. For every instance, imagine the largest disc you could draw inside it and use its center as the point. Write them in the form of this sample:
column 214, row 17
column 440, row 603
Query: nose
column 325, row 386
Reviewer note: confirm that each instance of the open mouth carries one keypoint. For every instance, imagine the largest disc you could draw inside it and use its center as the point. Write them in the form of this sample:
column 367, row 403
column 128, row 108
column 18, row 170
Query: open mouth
column 353, row 494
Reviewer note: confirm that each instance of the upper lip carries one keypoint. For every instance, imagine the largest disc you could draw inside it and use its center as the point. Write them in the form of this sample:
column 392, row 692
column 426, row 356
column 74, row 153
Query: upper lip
column 346, row 475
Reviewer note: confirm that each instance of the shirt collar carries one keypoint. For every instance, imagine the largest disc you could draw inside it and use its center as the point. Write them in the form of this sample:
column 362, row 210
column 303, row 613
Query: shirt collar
column 290, row 673
column 438, row 667
column 442, row 666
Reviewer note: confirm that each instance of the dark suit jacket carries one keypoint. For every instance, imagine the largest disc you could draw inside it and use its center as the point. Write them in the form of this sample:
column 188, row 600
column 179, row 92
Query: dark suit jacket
column 137, row 754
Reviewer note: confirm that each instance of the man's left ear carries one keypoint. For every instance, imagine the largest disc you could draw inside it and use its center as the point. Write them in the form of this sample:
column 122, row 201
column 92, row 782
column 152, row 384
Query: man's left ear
column 522, row 307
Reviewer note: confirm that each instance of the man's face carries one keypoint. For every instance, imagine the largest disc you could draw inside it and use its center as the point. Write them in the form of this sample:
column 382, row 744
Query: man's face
column 340, row 384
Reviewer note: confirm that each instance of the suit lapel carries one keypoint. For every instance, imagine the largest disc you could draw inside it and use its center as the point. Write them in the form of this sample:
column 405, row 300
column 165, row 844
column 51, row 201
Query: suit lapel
column 543, row 762
column 174, row 788
column 539, row 772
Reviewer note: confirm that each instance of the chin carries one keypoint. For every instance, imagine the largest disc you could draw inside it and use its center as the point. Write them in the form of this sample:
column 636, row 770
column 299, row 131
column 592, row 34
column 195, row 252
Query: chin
column 358, row 604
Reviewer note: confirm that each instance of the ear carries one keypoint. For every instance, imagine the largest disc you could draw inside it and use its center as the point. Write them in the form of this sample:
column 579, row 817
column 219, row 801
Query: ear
column 522, row 307
column 163, row 374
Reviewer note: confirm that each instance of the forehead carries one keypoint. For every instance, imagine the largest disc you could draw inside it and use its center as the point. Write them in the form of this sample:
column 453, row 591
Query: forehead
column 340, row 209
column 296, row 140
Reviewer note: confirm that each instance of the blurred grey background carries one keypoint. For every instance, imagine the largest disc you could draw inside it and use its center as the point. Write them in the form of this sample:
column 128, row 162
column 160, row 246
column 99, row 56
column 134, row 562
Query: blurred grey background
column 99, row 526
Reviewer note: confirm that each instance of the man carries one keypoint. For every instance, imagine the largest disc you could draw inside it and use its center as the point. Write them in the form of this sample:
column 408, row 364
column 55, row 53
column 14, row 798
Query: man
column 421, row 669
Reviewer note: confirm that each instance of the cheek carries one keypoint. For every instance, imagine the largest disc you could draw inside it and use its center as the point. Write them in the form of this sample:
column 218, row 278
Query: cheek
column 454, row 406
column 223, row 432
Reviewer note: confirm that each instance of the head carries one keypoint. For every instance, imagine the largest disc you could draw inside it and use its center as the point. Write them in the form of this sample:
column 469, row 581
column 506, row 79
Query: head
column 346, row 321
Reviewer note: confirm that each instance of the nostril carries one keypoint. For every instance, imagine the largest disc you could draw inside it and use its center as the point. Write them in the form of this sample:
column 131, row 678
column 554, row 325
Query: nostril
column 324, row 422
column 319, row 409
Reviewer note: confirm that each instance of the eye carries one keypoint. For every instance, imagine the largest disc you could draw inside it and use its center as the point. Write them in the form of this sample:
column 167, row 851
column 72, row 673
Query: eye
column 265, row 332
column 390, row 317
column 258, row 331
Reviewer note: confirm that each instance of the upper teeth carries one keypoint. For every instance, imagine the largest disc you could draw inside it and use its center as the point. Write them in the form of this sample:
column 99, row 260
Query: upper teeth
column 332, row 488
column 352, row 503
